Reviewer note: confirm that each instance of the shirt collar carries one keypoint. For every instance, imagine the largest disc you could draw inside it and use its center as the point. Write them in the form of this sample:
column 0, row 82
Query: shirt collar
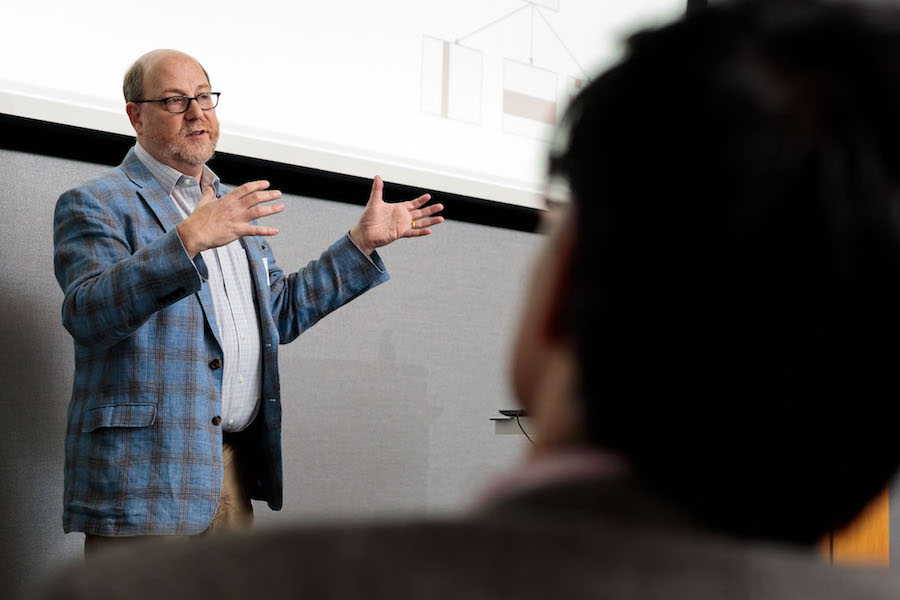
column 168, row 177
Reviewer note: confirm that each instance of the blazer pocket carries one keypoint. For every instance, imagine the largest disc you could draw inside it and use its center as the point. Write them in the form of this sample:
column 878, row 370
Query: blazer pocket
column 119, row 415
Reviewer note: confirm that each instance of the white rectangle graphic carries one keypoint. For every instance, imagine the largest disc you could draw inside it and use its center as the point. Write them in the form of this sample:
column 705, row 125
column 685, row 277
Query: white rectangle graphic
column 451, row 80
column 529, row 100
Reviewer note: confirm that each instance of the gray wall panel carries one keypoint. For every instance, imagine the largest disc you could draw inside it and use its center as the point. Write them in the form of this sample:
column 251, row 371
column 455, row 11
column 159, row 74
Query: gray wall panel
column 387, row 401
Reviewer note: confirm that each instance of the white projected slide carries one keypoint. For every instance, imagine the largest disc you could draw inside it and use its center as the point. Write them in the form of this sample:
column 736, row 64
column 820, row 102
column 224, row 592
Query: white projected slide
column 459, row 96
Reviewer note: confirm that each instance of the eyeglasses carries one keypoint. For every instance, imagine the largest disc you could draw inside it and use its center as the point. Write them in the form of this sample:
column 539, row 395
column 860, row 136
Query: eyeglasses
column 181, row 104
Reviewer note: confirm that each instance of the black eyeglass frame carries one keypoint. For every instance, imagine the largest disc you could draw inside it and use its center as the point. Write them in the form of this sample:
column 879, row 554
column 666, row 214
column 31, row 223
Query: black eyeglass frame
column 215, row 97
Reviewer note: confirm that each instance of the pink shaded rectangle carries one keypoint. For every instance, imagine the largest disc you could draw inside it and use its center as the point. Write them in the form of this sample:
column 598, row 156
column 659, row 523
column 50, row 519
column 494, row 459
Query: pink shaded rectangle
column 445, row 81
column 529, row 107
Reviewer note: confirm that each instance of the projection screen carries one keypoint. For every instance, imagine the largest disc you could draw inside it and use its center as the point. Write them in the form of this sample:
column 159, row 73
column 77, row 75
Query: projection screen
column 459, row 96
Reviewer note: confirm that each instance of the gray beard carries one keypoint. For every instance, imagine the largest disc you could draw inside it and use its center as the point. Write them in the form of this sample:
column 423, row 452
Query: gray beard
column 183, row 154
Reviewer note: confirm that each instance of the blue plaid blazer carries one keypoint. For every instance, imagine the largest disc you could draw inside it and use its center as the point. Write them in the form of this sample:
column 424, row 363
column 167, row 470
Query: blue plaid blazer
column 143, row 444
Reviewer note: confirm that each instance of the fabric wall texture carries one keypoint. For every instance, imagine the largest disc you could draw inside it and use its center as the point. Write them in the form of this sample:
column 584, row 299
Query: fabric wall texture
column 387, row 401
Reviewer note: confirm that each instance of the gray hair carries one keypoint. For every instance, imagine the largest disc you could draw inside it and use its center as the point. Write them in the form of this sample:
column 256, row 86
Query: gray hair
column 133, row 86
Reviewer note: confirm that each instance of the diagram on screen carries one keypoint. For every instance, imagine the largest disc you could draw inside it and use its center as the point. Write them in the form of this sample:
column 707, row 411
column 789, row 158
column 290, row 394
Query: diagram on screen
column 454, row 76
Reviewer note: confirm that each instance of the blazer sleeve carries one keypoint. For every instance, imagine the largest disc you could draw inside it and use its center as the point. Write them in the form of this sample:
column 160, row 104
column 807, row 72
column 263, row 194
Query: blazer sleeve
column 338, row 276
column 110, row 287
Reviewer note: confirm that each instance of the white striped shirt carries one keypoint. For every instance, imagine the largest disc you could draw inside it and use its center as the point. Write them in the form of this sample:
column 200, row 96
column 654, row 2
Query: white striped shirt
column 232, row 295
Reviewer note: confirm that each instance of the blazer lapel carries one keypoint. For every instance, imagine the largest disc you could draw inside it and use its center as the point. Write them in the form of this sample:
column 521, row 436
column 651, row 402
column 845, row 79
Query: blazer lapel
column 258, row 273
column 209, row 309
column 205, row 294
column 149, row 190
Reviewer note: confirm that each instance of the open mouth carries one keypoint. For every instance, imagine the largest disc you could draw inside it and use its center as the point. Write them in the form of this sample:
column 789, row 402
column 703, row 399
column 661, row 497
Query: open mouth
column 197, row 133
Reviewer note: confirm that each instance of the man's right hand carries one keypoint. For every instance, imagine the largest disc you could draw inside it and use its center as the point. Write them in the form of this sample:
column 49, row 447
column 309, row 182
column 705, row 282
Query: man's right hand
column 219, row 222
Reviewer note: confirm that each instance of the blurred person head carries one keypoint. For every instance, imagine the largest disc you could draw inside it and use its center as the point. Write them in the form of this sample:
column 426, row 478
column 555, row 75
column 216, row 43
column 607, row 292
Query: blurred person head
column 720, row 303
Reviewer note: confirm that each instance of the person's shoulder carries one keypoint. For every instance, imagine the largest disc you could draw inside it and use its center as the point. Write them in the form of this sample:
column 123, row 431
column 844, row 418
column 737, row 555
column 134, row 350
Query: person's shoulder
column 102, row 189
column 776, row 571
column 100, row 185
column 465, row 558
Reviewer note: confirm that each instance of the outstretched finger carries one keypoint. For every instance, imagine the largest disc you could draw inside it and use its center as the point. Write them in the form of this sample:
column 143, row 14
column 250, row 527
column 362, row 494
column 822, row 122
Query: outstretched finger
column 420, row 201
column 416, row 232
column 250, row 187
column 426, row 223
column 377, row 190
column 264, row 210
column 260, row 230
column 426, row 212
column 262, row 196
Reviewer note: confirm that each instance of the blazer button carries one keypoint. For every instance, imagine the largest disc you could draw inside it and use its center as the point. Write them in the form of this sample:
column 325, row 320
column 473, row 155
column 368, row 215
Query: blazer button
column 216, row 420
column 215, row 364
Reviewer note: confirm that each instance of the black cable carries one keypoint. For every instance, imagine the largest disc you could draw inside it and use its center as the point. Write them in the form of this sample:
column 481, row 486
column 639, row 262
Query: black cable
column 523, row 430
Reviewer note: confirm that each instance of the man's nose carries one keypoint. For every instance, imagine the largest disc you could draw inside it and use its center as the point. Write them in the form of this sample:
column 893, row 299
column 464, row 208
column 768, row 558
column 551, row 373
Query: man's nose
column 194, row 111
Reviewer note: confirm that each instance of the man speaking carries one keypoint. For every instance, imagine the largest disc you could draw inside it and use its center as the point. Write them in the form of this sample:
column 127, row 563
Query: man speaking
column 177, row 307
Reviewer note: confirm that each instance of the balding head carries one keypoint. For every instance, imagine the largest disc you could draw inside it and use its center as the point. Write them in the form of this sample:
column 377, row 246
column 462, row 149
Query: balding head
column 133, row 85
column 182, row 140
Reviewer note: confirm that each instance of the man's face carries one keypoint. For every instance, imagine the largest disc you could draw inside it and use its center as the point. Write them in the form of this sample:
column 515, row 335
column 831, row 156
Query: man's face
column 182, row 141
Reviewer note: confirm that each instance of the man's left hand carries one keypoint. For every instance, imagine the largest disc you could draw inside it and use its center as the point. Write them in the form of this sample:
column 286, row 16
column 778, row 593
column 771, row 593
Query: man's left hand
column 382, row 223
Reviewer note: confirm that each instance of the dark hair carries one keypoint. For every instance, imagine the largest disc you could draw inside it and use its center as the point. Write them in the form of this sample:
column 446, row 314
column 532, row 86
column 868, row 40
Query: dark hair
column 736, row 294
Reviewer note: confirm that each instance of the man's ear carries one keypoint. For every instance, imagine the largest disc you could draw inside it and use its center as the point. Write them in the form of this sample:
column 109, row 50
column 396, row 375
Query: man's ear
column 556, row 318
column 133, row 111
column 544, row 329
